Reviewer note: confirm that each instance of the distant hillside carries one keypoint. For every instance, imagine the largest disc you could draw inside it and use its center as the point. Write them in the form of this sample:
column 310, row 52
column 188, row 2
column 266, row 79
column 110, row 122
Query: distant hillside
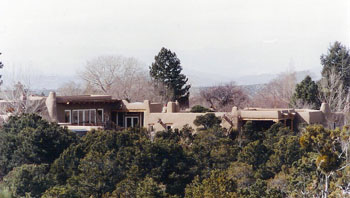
column 253, row 89
column 247, row 82
column 202, row 79
column 198, row 80
column 265, row 78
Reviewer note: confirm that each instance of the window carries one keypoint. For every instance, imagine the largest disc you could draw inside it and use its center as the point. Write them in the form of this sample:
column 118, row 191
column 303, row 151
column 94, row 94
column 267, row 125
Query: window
column 67, row 116
column 82, row 116
column 120, row 119
column 131, row 121
column 128, row 122
column 86, row 117
column 75, row 117
column 93, row 116
column 135, row 122
column 100, row 116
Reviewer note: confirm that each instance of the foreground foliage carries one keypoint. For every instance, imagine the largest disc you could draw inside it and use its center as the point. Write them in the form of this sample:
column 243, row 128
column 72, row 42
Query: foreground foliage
column 31, row 140
column 44, row 160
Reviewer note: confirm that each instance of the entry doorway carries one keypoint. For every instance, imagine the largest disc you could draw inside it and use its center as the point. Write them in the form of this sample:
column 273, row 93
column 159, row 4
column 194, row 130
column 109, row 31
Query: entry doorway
column 127, row 119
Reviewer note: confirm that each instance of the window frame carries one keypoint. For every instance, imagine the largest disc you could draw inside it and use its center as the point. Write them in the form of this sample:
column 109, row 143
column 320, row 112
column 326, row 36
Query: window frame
column 95, row 120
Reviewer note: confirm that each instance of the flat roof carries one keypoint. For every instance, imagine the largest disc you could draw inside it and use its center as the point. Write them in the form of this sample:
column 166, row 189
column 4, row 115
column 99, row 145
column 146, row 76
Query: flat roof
column 266, row 109
column 86, row 98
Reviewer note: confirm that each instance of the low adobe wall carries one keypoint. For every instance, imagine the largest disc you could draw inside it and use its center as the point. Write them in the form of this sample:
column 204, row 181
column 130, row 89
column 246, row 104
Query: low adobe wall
column 310, row 117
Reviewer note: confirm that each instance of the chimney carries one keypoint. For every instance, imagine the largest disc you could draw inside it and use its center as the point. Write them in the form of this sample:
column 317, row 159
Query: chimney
column 52, row 106
column 325, row 108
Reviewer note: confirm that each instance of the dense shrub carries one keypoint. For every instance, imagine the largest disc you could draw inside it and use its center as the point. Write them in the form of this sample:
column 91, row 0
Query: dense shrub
column 200, row 109
column 28, row 139
column 41, row 159
column 27, row 180
column 208, row 121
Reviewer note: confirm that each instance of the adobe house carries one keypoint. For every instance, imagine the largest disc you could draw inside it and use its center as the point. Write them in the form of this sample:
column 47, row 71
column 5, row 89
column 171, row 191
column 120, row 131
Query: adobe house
column 86, row 112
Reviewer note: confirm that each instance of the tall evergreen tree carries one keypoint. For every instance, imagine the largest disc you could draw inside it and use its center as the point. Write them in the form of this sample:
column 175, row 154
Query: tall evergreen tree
column 338, row 60
column 166, row 71
column 306, row 93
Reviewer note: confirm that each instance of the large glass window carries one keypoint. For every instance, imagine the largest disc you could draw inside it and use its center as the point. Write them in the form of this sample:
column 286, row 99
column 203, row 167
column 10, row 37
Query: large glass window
column 131, row 121
column 128, row 122
column 93, row 116
column 120, row 119
column 135, row 122
column 67, row 116
column 75, row 117
column 86, row 117
column 83, row 116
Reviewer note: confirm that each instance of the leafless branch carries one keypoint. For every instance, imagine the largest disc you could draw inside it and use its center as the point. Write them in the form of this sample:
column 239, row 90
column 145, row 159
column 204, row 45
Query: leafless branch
column 224, row 97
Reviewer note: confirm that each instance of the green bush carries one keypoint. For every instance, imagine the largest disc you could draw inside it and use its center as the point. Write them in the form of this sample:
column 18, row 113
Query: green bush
column 200, row 109
column 28, row 179
column 208, row 121
column 28, row 139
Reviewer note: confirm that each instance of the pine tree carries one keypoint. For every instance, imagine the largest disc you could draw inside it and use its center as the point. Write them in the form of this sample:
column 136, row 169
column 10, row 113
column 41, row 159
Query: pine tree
column 166, row 72
column 337, row 60
column 306, row 93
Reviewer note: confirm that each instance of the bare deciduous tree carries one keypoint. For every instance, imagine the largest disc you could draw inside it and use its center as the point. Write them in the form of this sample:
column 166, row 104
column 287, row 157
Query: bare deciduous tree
column 277, row 93
column 224, row 97
column 102, row 72
column 70, row 88
column 17, row 97
column 118, row 76
column 19, row 100
column 332, row 92
column 300, row 104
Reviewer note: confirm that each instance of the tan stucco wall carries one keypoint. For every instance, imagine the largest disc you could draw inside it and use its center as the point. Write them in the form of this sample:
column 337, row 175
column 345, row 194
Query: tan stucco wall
column 156, row 108
column 176, row 119
column 261, row 114
column 302, row 117
column 316, row 117
column 134, row 106
column 310, row 116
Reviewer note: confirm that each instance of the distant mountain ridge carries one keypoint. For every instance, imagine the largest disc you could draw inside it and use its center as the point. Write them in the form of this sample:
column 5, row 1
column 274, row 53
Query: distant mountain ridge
column 203, row 79
column 252, row 83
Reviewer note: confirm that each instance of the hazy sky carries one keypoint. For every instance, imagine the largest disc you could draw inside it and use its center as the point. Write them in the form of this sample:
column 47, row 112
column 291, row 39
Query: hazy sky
column 217, row 37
